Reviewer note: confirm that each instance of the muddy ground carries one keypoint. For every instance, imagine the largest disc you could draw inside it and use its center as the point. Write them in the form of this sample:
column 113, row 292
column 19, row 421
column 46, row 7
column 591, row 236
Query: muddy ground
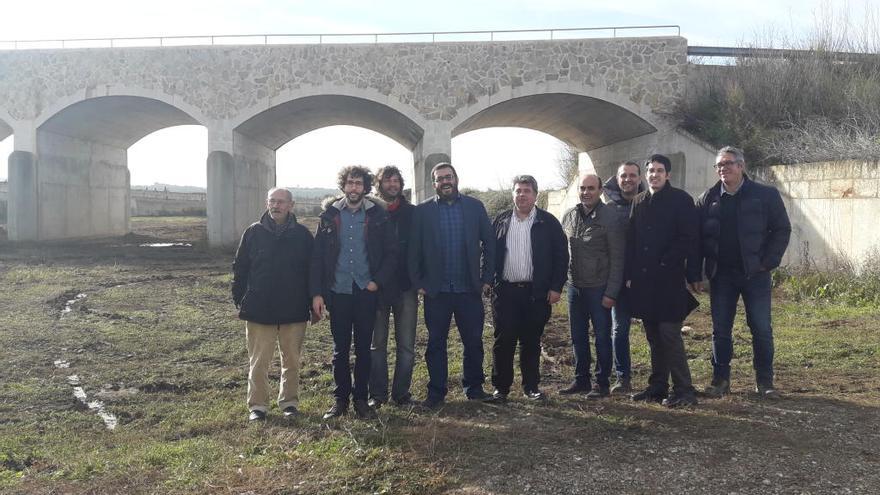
column 155, row 339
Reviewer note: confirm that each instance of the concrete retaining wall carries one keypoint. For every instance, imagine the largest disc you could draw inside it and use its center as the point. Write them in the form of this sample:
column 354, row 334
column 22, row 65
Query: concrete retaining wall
column 833, row 208
column 156, row 203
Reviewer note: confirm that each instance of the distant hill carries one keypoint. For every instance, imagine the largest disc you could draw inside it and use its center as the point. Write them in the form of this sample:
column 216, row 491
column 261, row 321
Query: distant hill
column 170, row 188
column 298, row 192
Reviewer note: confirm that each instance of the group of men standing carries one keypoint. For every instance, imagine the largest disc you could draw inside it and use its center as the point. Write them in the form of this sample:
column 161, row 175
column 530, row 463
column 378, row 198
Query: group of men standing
column 634, row 255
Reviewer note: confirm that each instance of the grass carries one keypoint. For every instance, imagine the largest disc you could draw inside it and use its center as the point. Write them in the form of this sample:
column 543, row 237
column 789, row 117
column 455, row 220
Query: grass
column 156, row 339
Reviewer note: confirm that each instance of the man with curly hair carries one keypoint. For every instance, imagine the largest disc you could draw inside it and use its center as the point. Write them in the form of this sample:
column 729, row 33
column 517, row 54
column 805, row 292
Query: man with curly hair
column 355, row 256
column 398, row 298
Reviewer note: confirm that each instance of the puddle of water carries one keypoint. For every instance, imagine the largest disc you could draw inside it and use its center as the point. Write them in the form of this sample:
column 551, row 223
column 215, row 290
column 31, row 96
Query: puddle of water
column 68, row 306
column 166, row 244
column 61, row 364
column 110, row 421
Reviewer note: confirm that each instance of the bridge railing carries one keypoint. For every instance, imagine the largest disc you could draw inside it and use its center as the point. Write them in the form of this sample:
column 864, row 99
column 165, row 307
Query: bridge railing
column 337, row 38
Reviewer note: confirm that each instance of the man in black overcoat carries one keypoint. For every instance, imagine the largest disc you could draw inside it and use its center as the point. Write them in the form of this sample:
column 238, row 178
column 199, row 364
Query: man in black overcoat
column 662, row 234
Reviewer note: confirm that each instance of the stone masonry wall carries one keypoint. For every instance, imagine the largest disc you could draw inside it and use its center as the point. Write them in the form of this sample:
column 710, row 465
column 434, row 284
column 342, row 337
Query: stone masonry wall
column 437, row 79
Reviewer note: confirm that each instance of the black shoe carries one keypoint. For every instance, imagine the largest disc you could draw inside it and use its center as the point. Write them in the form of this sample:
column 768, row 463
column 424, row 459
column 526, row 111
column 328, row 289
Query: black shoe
column 534, row 394
column 599, row 392
column 338, row 409
column 432, row 404
column 363, row 410
column 403, row 401
column 375, row 403
column 717, row 389
column 290, row 412
column 481, row 395
column 622, row 387
column 500, row 396
column 684, row 400
column 767, row 392
column 649, row 395
column 575, row 388
column 257, row 415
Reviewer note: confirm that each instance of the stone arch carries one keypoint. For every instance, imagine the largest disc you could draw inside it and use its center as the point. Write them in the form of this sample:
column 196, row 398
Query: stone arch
column 275, row 121
column 119, row 118
column 558, row 109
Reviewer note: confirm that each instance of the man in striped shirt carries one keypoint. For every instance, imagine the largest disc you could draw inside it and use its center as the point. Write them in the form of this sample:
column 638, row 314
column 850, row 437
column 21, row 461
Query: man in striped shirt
column 530, row 269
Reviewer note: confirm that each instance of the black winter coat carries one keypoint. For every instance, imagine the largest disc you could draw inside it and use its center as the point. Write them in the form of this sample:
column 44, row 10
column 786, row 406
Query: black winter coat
column 401, row 222
column 381, row 243
column 549, row 252
column 763, row 226
column 271, row 273
column 662, row 235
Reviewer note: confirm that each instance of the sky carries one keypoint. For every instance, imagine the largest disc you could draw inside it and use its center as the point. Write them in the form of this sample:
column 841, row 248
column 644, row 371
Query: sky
column 485, row 158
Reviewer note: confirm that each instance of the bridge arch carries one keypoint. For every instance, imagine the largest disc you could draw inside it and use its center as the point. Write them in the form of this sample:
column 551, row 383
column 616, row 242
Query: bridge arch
column 82, row 142
column 273, row 122
column 585, row 117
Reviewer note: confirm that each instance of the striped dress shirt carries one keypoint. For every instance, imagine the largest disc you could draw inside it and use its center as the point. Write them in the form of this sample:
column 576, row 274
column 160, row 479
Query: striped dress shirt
column 518, row 263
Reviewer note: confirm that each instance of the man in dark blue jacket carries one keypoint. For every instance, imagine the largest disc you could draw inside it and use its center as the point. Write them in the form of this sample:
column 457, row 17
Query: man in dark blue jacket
column 270, row 288
column 744, row 231
column 531, row 261
column 354, row 258
column 451, row 261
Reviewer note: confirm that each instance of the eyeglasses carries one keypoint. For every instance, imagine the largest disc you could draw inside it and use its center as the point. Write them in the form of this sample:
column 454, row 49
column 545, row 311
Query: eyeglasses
column 725, row 163
column 444, row 178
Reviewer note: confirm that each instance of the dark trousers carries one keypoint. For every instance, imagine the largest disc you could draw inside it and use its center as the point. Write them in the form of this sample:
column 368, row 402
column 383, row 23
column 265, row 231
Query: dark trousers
column 352, row 315
column 469, row 315
column 518, row 317
column 724, row 291
column 668, row 358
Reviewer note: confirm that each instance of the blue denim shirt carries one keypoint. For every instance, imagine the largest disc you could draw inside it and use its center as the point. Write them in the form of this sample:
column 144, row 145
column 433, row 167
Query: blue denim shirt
column 352, row 267
column 452, row 248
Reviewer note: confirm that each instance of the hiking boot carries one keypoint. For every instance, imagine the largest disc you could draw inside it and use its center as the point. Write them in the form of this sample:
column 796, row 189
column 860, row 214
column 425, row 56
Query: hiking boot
column 363, row 410
column 717, row 389
column 622, row 387
column 649, row 395
column 598, row 393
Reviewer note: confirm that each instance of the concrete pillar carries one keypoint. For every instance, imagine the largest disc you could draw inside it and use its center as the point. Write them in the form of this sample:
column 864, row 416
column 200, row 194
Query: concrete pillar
column 435, row 147
column 254, row 176
column 22, row 205
column 221, row 195
column 83, row 187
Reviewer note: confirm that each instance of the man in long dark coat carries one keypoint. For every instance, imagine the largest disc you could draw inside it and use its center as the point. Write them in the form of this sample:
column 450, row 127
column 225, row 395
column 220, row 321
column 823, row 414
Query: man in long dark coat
column 662, row 235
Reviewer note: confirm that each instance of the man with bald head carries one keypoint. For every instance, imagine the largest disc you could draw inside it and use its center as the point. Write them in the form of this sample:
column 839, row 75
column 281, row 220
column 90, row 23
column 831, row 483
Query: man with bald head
column 270, row 289
column 596, row 248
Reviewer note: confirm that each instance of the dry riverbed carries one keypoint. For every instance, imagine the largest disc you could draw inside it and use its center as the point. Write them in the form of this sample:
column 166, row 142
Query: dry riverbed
column 124, row 371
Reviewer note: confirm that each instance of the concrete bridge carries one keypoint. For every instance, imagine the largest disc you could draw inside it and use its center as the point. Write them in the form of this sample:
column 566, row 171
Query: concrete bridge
column 75, row 112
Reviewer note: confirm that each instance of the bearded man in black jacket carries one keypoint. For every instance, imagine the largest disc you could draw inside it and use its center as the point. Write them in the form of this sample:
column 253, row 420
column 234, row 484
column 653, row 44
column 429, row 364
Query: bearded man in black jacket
column 270, row 288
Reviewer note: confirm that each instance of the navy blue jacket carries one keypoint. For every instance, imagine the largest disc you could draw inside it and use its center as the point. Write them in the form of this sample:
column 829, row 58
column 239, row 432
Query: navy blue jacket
column 425, row 258
column 549, row 252
column 763, row 225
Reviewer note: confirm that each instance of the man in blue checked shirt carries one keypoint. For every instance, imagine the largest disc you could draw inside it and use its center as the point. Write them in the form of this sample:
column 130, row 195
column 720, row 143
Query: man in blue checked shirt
column 451, row 262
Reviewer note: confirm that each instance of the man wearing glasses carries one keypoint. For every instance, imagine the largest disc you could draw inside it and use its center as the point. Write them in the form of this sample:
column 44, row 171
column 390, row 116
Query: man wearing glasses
column 744, row 232
column 451, row 262
column 270, row 289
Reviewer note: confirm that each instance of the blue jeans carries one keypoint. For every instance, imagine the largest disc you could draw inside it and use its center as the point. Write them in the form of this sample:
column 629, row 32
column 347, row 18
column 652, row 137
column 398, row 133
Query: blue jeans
column 724, row 291
column 405, row 310
column 621, row 320
column 585, row 306
column 469, row 318
column 351, row 315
